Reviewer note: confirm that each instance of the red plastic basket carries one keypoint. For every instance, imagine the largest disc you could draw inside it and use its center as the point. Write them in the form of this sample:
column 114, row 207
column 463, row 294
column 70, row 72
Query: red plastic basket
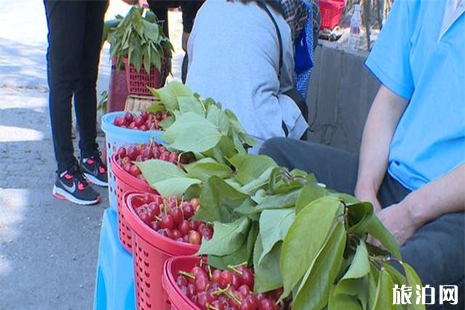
column 331, row 13
column 151, row 250
column 178, row 300
column 139, row 80
column 126, row 183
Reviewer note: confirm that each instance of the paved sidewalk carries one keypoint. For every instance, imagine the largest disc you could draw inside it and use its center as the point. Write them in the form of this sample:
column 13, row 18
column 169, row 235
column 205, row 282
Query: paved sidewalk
column 48, row 247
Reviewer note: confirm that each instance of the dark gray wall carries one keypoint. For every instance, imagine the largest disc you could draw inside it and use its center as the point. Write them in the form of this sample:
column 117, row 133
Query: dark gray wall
column 340, row 94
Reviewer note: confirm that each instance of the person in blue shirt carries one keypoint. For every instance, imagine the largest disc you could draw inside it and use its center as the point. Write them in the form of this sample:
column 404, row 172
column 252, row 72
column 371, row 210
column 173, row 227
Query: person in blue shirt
column 412, row 158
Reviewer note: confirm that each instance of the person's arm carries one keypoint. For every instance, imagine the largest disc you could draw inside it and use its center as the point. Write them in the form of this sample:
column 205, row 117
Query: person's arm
column 441, row 196
column 189, row 11
column 379, row 128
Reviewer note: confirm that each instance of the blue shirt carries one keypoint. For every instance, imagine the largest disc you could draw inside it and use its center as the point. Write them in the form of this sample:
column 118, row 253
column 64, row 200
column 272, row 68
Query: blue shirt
column 420, row 55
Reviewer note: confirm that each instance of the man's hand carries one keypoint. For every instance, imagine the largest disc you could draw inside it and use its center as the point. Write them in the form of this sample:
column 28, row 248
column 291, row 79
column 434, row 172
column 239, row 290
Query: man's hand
column 184, row 40
column 397, row 219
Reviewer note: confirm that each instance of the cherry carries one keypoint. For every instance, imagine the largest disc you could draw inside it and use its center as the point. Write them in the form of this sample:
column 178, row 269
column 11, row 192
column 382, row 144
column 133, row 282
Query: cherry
column 188, row 211
column 177, row 215
column 194, row 237
column 248, row 277
column 225, row 278
column 119, row 121
column 266, row 304
column 138, row 121
column 128, row 117
column 134, row 170
column 167, row 222
column 184, row 227
column 121, row 152
column 181, row 281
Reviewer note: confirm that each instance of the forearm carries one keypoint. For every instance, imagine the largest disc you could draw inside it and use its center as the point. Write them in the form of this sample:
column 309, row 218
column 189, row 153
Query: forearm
column 379, row 128
column 189, row 11
column 439, row 197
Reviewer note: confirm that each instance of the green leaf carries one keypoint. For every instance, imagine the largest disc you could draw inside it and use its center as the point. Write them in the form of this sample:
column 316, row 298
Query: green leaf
column 274, row 225
column 283, row 181
column 227, row 237
column 343, row 302
column 360, row 265
column 174, row 186
column 251, row 167
column 236, row 258
column 219, row 119
column 206, row 168
column 219, row 200
column 155, row 170
column 313, row 293
column 190, row 104
column 270, row 202
column 308, row 194
column 192, row 133
column 314, row 220
column 412, row 281
column 355, row 280
column 251, row 240
column 358, row 217
column 170, row 92
column 375, row 228
column 384, row 292
column 150, row 31
column 266, row 269
column 237, row 127
column 372, row 285
column 261, row 181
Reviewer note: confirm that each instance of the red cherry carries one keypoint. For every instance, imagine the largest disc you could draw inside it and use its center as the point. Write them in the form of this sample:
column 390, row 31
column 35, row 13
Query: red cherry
column 134, row 170
column 167, row 222
column 138, row 121
column 194, row 237
column 128, row 117
column 121, row 152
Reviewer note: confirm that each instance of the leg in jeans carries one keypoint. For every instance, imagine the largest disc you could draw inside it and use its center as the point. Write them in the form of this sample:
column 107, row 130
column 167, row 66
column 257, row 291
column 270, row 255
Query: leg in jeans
column 66, row 34
column 86, row 93
column 333, row 167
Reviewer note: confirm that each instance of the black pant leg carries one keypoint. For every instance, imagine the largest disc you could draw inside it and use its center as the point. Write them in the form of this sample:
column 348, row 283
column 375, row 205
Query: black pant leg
column 86, row 93
column 333, row 167
column 66, row 23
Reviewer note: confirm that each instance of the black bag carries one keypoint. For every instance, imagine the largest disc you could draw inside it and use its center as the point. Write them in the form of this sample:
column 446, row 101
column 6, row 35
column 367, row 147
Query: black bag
column 291, row 93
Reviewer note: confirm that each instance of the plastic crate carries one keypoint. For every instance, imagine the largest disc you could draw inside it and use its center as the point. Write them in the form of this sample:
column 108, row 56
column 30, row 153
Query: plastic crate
column 150, row 251
column 125, row 184
column 116, row 137
column 178, row 300
column 139, row 80
column 331, row 13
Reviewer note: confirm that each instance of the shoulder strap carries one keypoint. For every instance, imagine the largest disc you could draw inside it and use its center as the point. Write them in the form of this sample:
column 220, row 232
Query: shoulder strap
column 262, row 4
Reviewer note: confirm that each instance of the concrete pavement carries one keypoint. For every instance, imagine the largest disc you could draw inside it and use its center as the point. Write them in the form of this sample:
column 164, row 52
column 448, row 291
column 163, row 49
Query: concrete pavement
column 48, row 247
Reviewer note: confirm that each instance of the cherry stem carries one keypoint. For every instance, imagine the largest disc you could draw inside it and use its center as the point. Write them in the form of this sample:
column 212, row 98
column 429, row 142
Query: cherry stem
column 228, row 293
column 186, row 274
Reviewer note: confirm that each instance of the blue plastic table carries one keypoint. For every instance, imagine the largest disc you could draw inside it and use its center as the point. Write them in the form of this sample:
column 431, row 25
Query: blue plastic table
column 114, row 287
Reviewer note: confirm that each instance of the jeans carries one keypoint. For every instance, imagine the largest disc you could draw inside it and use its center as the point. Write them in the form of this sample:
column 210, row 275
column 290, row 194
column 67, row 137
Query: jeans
column 436, row 251
column 74, row 45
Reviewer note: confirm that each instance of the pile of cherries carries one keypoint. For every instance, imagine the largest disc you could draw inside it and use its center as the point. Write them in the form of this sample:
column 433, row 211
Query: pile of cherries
column 230, row 289
column 127, row 155
column 172, row 217
column 145, row 121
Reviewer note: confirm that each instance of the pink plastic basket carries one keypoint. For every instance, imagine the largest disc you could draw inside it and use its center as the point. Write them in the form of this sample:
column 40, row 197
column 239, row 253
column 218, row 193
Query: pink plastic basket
column 138, row 81
column 331, row 13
